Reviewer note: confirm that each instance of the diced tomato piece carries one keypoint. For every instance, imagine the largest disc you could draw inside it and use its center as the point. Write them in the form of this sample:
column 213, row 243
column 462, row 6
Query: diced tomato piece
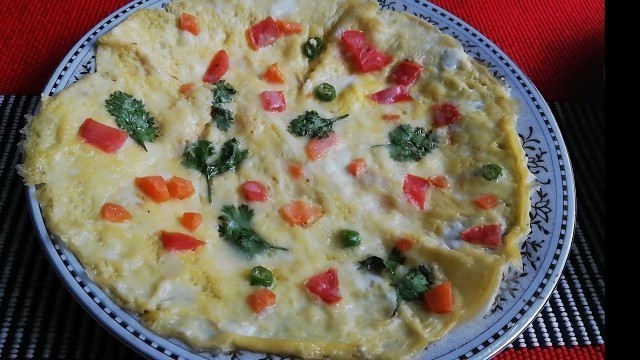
column 392, row 118
column 218, row 66
column 154, row 187
column 391, row 95
column 357, row 167
column 255, row 191
column 445, row 114
column 318, row 148
column 326, row 286
column 439, row 182
column 300, row 213
column 261, row 300
column 406, row 73
column 175, row 241
column 189, row 23
column 273, row 101
column 439, row 300
column 296, row 171
column 191, row 220
column 187, row 89
column 180, row 188
column 289, row 27
column 415, row 190
column 485, row 235
column 104, row 137
column 363, row 52
column 404, row 244
column 115, row 213
column 264, row 33
column 274, row 75
column 486, row 201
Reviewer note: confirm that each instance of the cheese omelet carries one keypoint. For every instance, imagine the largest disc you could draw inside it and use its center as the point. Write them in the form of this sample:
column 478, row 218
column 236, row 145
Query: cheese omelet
column 378, row 232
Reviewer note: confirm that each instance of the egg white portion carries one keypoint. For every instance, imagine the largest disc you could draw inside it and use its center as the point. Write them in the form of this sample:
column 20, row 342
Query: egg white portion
column 201, row 296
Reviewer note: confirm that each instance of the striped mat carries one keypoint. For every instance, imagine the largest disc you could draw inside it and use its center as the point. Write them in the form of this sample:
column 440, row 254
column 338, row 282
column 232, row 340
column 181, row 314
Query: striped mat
column 40, row 319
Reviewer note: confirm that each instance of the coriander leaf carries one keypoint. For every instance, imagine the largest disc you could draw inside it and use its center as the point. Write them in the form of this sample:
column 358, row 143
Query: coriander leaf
column 407, row 143
column 395, row 259
column 222, row 92
column 313, row 125
column 132, row 117
column 409, row 287
column 199, row 156
column 428, row 274
column 373, row 264
column 397, row 306
column 230, row 158
column 222, row 117
column 412, row 285
column 235, row 228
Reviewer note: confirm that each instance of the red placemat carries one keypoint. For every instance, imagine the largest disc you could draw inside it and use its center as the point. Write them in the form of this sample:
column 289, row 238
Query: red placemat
column 559, row 44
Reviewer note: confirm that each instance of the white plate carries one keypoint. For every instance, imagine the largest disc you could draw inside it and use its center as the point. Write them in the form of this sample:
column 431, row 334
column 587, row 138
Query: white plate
column 522, row 294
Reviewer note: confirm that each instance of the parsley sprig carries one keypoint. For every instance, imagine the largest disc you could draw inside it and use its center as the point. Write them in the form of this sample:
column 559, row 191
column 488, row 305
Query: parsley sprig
column 235, row 228
column 313, row 125
column 410, row 286
column 132, row 117
column 222, row 94
column 199, row 156
column 407, row 143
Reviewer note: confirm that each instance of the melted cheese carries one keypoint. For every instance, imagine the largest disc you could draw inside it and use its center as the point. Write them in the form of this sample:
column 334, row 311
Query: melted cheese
column 200, row 296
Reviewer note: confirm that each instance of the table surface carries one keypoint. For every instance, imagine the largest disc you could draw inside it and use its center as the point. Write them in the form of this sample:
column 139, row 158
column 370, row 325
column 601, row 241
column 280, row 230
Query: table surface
column 559, row 44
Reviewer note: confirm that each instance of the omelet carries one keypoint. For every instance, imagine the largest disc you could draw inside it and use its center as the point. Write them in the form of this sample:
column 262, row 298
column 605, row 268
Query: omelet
column 318, row 179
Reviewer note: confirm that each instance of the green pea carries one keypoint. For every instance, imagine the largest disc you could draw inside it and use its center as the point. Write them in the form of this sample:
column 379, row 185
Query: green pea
column 261, row 276
column 491, row 172
column 325, row 92
column 312, row 47
column 350, row 238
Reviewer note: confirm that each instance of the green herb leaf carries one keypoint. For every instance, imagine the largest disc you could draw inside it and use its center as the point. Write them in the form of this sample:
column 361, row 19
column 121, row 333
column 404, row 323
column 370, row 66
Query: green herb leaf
column 397, row 306
column 222, row 117
column 199, row 156
column 313, row 125
column 230, row 158
column 132, row 117
column 235, row 228
column 222, row 92
column 428, row 274
column 412, row 285
column 373, row 264
column 407, row 143
column 409, row 287
column 395, row 259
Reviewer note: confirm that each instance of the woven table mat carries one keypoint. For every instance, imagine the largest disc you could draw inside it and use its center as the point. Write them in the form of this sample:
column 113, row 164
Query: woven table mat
column 39, row 318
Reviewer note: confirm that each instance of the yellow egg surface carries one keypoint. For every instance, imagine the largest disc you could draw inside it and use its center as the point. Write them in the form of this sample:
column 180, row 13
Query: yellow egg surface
column 420, row 202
